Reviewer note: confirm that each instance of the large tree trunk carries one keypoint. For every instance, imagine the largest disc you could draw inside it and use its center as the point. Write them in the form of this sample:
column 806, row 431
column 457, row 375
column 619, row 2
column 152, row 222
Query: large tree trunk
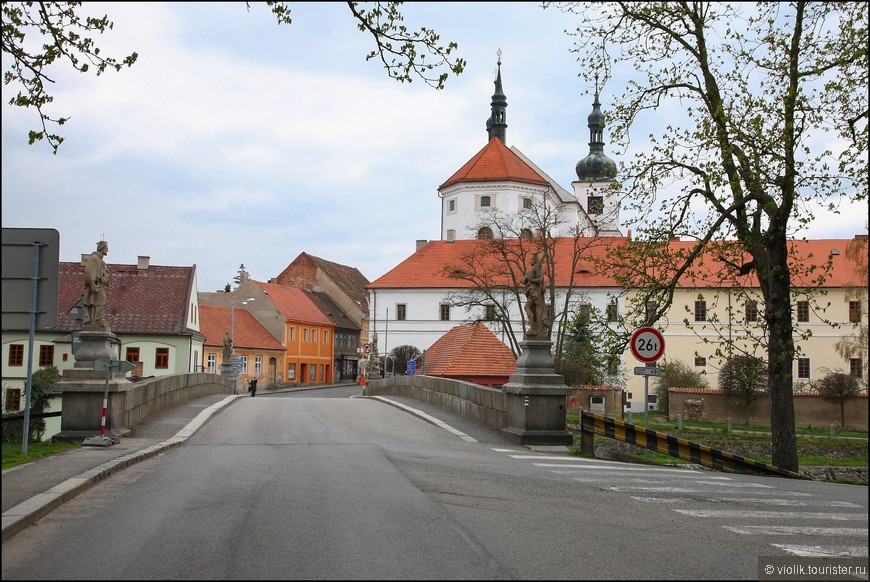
column 772, row 268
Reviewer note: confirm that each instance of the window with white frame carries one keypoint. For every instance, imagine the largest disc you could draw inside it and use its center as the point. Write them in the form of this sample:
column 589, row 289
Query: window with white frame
column 258, row 365
column 212, row 363
column 803, row 366
column 291, row 372
column 445, row 312
column 326, row 337
column 401, row 310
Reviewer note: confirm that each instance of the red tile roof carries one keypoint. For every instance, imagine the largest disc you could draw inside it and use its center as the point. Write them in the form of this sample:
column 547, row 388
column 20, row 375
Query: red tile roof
column 154, row 300
column 214, row 322
column 429, row 266
column 470, row 350
column 495, row 162
column 302, row 273
column 294, row 304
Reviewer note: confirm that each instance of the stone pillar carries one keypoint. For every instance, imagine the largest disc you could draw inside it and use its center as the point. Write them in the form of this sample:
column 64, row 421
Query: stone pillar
column 82, row 390
column 536, row 399
column 227, row 370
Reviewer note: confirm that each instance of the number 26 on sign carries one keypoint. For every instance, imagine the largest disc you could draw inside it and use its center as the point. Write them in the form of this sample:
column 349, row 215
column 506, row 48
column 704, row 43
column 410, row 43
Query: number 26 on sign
column 647, row 344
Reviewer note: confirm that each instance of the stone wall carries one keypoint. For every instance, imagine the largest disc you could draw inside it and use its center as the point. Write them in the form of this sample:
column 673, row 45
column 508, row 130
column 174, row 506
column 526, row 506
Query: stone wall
column 810, row 410
column 129, row 403
column 479, row 403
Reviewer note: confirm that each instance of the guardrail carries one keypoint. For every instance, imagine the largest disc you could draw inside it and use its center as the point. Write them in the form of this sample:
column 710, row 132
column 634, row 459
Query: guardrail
column 592, row 423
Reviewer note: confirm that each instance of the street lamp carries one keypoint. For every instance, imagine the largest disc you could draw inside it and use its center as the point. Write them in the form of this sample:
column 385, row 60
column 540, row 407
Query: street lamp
column 232, row 333
column 233, row 316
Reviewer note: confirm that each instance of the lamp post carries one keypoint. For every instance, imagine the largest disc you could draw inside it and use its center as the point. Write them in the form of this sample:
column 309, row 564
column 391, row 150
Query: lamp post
column 232, row 333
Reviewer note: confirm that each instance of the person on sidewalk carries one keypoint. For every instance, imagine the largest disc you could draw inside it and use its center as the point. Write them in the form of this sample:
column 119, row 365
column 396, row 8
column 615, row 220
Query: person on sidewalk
column 253, row 387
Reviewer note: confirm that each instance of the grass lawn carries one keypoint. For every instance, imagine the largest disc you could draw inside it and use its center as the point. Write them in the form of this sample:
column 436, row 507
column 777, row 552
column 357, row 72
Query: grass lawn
column 12, row 451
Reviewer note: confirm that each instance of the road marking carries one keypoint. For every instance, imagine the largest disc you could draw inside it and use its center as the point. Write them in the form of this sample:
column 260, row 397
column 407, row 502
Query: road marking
column 782, row 530
column 790, row 502
column 742, row 514
column 824, row 551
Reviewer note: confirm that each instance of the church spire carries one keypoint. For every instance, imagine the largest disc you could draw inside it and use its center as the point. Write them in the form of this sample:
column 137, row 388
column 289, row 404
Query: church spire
column 496, row 125
column 596, row 166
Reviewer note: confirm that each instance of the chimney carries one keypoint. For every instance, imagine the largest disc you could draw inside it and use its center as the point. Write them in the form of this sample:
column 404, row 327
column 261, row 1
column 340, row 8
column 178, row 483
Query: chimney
column 420, row 243
column 143, row 263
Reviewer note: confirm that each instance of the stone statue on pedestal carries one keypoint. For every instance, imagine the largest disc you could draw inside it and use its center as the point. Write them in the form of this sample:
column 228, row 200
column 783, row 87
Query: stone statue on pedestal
column 96, row 281
column 536, row 307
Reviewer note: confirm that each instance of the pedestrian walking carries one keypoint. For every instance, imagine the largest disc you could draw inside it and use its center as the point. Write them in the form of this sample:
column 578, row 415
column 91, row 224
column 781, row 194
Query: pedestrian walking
column 253, row 387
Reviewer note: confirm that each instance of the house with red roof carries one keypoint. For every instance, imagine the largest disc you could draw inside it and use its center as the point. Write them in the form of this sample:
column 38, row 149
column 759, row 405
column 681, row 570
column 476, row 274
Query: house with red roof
column 262, row 355
column 710, row 306
column 340, row 291
column 152, row 309
column 413, row 302
column 470, row 353
column 291, row 317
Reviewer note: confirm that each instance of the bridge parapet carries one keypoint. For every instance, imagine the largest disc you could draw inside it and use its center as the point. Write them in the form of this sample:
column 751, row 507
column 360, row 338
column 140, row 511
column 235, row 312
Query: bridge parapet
column 129, row 403
column 479, row 403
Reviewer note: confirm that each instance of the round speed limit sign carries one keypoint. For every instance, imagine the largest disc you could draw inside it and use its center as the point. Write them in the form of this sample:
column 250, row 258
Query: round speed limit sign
column 647, row 345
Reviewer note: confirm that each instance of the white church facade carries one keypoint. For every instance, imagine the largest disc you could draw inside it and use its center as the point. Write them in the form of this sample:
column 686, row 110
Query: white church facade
column 411, row 304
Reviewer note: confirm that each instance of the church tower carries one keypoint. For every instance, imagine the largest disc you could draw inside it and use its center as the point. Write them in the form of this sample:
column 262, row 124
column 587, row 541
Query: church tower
column 596, row 178
column 496, row 125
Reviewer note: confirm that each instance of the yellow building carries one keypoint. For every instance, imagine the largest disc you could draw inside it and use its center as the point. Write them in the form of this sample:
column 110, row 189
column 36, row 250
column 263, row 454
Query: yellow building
column 714, row 317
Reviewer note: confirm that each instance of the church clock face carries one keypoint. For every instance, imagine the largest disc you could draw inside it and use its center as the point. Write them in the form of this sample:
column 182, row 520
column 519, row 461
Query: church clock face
column 596, row 205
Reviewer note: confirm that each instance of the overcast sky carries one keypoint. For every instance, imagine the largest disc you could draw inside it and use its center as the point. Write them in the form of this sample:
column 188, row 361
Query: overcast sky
column 234, row 140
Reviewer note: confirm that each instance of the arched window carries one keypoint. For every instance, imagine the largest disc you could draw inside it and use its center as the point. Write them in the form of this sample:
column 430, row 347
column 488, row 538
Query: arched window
column 484, row 232
column 526, row 233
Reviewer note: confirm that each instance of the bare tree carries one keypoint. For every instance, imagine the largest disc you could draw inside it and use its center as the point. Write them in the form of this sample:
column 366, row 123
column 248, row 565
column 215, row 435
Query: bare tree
column 763, row 90
column 746, row 377
column 495, row 269
column 839, row 388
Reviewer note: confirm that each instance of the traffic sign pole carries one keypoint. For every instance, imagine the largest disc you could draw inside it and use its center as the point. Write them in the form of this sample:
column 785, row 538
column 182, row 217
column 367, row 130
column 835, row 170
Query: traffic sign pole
column 647, row 345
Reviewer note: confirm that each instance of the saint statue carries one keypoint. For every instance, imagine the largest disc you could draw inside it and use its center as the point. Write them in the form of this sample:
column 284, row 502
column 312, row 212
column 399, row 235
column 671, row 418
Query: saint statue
column 228, row 348
column 96, row 281
column 536, row 307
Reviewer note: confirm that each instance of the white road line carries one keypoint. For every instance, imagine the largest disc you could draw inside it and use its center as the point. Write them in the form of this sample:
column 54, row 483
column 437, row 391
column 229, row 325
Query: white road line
column 789, row 502
column 824, row 551
column 734, row 484
column 743, row 514
column 704, row 491
column 613, row 472
column 661, row 499
column 782, row 530
column 687, row 472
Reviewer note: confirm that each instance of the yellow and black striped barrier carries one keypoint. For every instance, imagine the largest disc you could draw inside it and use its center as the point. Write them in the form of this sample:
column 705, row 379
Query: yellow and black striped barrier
column 592, row 423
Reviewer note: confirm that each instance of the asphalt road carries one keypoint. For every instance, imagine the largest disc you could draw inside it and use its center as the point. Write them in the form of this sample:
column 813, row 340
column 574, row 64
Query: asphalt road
column 310, row 486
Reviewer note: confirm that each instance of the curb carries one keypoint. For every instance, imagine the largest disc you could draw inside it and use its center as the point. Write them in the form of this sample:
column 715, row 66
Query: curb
column 24, row 514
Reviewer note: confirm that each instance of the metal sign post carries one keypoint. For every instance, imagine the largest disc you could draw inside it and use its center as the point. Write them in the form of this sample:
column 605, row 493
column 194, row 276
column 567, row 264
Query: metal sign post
column 29, row 293
column 647, row 345
column 107, row 365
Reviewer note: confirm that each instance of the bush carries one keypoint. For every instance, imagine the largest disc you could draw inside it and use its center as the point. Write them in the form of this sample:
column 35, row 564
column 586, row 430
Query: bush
column 42, row 382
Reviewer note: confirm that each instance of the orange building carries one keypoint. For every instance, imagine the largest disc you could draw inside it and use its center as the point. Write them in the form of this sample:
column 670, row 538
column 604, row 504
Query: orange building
column 308, row 335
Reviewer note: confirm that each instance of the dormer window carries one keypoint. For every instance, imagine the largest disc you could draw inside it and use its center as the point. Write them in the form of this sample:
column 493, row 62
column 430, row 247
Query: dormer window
column 484, row 233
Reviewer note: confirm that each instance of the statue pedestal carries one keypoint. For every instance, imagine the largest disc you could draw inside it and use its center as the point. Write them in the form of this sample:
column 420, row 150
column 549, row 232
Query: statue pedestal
column 536, row 399
column 82, row 390
column 227, row 370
